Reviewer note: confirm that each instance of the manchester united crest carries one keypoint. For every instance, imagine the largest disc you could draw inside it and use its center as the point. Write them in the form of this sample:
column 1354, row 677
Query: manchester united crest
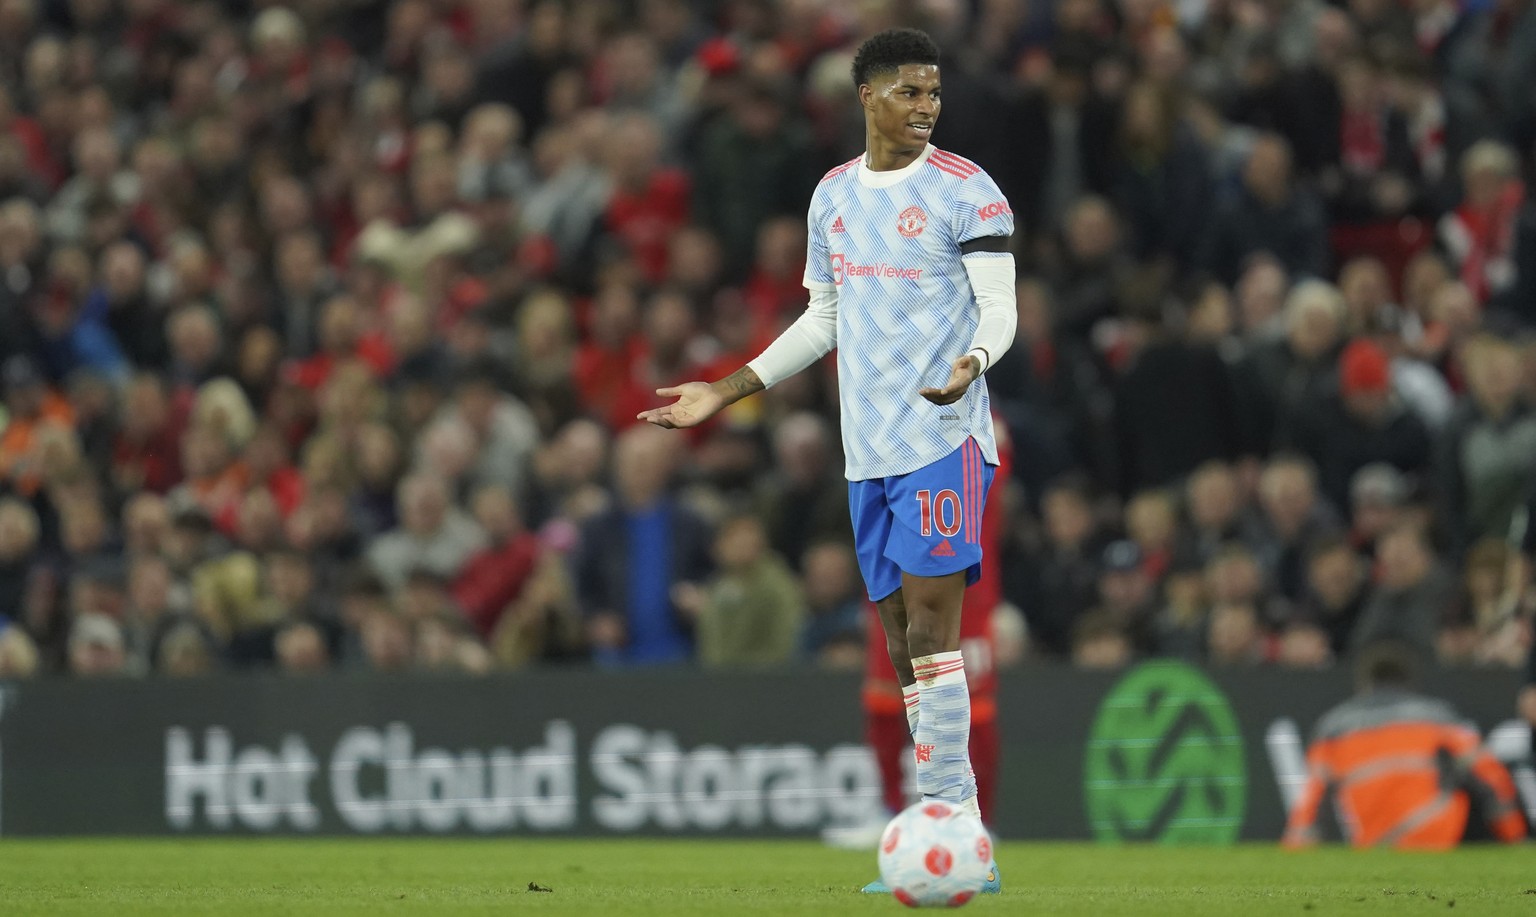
column 912, row 222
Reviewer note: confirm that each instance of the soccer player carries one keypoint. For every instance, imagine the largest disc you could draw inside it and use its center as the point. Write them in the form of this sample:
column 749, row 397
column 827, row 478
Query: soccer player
column 910, row 278
column 886, row 729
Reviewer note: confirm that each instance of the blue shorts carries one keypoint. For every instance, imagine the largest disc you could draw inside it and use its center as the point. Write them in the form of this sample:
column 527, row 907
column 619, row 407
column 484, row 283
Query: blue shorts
column 926, row 522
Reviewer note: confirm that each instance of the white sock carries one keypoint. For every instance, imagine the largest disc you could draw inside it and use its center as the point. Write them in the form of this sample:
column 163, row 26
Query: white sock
column 942, row 740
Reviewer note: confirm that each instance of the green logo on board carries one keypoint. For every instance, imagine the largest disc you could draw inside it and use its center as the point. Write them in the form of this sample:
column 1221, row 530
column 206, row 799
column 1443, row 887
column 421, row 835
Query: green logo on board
column 1165, row 760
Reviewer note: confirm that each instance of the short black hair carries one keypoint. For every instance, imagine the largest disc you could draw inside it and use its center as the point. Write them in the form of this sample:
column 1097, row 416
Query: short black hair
column 887, row 51
column 1387, row 664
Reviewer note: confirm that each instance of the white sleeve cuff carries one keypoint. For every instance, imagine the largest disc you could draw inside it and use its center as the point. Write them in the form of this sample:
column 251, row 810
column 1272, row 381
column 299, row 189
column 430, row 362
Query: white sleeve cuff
column 993, row 277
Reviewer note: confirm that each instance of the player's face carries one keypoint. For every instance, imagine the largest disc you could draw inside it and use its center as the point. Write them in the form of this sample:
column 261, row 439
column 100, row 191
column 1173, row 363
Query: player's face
column 905, row 106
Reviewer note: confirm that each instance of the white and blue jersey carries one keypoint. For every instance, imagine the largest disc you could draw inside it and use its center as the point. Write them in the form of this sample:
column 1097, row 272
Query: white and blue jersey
column 889, row 244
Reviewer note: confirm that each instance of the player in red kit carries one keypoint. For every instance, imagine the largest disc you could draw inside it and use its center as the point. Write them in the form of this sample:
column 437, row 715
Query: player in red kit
column 886, row 729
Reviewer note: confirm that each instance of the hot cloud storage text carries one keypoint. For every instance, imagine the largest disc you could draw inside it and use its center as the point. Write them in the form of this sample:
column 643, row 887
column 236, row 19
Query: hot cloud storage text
column 382, row 779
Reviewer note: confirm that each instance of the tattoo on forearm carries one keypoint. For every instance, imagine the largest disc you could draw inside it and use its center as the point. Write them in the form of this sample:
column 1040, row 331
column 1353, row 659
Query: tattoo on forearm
column 741, row 383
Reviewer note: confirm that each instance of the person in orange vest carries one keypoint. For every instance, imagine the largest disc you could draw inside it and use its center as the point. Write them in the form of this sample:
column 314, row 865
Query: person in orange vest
column 1403, row 769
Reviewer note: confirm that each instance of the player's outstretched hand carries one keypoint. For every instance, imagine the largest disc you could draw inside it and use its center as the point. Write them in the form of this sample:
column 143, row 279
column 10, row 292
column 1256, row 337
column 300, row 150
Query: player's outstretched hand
column 696, row 402
column 961, row 375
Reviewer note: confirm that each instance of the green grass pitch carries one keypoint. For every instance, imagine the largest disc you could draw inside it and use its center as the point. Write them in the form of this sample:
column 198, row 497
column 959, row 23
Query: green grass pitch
column 619, row 877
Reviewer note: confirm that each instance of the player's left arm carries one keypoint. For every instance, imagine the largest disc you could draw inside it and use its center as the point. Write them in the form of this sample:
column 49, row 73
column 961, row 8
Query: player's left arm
column 982, row 222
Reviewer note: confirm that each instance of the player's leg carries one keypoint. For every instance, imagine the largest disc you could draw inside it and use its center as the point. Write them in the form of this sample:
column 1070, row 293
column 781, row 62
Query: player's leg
column 944, row 701
column 893, row 621
column 872, row 522
column 943, row 736
column 936, row 541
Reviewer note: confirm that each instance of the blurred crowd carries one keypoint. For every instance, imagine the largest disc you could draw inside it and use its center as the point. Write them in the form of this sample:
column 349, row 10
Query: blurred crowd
column 323, row 325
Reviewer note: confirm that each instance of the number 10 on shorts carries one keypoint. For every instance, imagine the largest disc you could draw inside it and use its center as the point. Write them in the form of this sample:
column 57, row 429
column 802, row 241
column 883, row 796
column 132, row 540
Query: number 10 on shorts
column 943, row 509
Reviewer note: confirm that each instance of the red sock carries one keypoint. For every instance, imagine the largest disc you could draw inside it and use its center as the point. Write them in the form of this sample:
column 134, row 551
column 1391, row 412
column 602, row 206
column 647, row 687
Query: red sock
column 887, row 736
column 984, row 761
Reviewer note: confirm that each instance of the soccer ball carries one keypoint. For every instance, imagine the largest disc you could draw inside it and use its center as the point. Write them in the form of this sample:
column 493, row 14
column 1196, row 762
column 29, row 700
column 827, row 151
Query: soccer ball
column 934, row 854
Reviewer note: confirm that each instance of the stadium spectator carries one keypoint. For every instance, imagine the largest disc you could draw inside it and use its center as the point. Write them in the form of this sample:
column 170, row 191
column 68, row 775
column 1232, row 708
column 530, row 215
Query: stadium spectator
column 18, row 654
column 1490, row 625
column 666, row 353
column 1233, row 578
column 567, row 474
column 1175, row 407
column 145, row 454
column 1162, row 185
column 634, row 554
column 196, row 345
column 492, row 580
column 1479, row 234
column 442, row 644
column 1234, row 636
column 1126, row 596
column 387, row 640
column 1292, row 517
column 96, row 646
column 1099, row 642
column 1364, row 423
column 1152, row 525
column 151, row 607
column 544, row 624
column 833, row 635
column 1091, row 267
column 1294, row 370
column 36, row 414
column 1484, row 460
column 19, row 532
column 1213, row 513
column 755, row 163
column 300, row 648
column 1050, row 393
column 334, row 338
column 649, row 201
column 1412, row 598
column 751, row 612
column 304, row 284
column 1271, row 213
column 1378, row 501
column 803, row 499
column 1057, row 580
column 503, row 429
column 433, row 534
column 186, row 650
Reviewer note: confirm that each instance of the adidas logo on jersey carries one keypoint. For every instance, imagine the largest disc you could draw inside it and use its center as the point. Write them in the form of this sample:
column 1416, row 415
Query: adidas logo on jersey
column 943, row 550
column 837, row 225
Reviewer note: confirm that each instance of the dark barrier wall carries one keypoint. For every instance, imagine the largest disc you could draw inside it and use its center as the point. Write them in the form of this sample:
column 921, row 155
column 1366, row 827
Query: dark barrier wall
column 1161, row 752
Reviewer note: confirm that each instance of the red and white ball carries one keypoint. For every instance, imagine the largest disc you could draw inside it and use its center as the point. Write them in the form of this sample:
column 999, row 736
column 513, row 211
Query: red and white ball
column 935, row 855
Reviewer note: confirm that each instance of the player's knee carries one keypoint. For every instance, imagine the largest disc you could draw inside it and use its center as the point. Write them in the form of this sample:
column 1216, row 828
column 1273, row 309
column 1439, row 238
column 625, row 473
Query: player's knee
column 925, row 636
